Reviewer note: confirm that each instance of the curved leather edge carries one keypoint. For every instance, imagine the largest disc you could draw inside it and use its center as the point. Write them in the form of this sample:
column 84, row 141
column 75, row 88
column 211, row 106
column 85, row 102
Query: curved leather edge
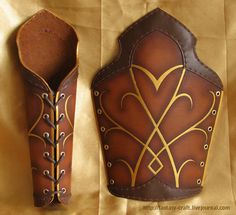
column 156, row 190
column 40, row 83
column 32, row 77
column 154, row 21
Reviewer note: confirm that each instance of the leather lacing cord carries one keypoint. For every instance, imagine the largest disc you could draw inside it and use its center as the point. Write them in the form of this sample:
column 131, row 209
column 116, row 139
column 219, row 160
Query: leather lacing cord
column 54, row 143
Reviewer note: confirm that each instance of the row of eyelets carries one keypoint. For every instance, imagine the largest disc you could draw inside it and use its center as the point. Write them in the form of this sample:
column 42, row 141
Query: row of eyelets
column 46, row 155
column 99, row 111
column 202, row 164
column 206, row 146
column 103, row 129
column 46, row 191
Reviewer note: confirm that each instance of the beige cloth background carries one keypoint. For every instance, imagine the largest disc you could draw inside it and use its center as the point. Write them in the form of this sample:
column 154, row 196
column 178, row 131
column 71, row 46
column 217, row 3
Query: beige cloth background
column 98, row 23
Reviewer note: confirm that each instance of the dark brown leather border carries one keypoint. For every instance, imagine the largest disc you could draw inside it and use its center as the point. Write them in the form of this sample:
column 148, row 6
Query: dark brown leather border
column 157, row 20
column 157, row 191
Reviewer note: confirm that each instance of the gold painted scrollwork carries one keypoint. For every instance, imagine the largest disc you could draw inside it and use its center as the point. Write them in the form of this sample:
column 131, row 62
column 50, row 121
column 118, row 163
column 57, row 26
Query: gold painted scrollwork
column 30, row 132
column 156, row 130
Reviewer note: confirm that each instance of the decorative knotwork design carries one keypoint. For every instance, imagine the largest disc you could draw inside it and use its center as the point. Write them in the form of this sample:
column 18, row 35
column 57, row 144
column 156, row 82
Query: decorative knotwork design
column 156, row 124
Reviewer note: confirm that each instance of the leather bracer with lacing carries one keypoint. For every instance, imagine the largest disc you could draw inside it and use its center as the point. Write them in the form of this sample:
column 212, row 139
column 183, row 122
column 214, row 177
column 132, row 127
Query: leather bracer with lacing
column 47, row 50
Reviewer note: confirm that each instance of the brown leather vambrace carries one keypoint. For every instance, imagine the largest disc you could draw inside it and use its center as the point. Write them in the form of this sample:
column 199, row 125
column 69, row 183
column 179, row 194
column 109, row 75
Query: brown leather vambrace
column 156, row 104
column 47, row 49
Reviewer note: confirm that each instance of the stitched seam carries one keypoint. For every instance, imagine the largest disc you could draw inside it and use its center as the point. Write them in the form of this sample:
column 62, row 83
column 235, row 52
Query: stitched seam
column 42, row 86
column 27, row 77
column 137, row 42
column 151, row 182
column 183, row 191
column 73, row 73
column 35, row 84
column 152, row 199
column 99, row 77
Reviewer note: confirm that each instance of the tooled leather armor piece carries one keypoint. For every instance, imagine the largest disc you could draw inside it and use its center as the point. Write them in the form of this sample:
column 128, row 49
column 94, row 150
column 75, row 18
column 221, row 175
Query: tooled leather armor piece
column 156, row 104
column 48, row 52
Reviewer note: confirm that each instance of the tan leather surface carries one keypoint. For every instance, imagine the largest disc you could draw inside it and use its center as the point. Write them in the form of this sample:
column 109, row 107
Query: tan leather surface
column 47, row 46
column 99, row 23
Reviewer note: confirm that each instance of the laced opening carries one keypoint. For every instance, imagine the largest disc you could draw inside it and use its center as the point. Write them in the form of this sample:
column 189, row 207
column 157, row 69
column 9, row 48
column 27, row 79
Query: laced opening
column 47, row 156
column 53, row 142
column 62, row 190
column 56, row 181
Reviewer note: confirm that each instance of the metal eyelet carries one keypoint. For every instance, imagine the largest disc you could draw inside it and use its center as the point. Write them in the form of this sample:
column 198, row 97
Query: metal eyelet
column 63, row 171
column 109, row 164
column 62, row 95
column 45, row 191
column 206, row 146
column 213, row 112
column 44, row 95
column 96, row 93
column 46, row 134
column 199, row 181
column 62, row 134
column 46, row 172
column 102, row 129
column 106, row 147
column 209, row 128
column 46, row 116
column 99, row 111
column 61, row 117
column 63, row 190
column 218, row 93
column 46, row 154
column 202, row 164
column 112, row 181
column 63, row 154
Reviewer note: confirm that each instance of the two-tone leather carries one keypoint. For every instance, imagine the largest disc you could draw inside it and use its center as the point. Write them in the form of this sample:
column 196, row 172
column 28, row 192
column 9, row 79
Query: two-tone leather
column 156, row 105
column 48, row 51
